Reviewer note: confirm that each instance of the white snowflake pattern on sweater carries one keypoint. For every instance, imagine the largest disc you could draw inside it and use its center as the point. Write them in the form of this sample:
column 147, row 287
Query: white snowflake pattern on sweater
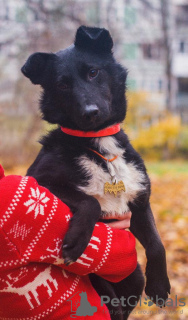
column 37, row 202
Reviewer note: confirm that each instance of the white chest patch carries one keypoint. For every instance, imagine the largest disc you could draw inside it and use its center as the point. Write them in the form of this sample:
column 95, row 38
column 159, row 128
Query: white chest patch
column 127, row 172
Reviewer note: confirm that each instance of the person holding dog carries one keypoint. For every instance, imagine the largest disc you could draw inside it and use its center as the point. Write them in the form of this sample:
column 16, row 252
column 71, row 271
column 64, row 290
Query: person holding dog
column 34, row 279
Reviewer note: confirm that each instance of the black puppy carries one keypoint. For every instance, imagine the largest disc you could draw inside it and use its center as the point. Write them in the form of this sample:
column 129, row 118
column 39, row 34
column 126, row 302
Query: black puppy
column 84, row 90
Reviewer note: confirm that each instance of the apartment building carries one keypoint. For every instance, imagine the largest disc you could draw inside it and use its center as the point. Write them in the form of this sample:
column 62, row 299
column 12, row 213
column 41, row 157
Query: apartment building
column 143, row 51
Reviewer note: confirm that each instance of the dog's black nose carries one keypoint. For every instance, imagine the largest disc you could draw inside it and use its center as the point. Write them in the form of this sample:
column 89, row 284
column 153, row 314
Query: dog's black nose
column 90, row 112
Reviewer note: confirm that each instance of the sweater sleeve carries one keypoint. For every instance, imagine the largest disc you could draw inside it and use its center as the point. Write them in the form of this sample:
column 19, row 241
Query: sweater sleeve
column 34, row 223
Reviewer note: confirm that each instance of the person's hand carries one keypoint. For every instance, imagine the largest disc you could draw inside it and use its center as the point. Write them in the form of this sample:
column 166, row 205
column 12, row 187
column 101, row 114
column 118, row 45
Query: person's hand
column 123, row 222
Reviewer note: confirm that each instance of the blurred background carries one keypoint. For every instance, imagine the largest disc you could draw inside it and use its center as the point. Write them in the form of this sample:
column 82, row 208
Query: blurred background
column 151, row 41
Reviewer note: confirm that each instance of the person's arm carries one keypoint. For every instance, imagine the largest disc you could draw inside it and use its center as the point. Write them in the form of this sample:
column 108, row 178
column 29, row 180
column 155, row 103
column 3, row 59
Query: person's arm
column 35, row 222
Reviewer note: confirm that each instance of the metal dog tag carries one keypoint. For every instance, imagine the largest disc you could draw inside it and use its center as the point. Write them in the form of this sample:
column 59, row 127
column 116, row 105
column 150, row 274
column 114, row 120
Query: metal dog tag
column 114, row 187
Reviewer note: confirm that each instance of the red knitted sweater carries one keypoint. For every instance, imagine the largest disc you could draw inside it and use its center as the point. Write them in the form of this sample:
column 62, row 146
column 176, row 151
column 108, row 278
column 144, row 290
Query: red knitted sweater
column 34, row 282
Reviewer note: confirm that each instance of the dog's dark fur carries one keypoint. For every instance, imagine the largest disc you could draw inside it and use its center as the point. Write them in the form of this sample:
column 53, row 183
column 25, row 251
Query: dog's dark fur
column 84, row 89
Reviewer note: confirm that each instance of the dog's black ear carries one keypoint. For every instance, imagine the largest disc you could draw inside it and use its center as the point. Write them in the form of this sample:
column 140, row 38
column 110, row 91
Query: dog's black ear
column 97, row 40
column 36, row 66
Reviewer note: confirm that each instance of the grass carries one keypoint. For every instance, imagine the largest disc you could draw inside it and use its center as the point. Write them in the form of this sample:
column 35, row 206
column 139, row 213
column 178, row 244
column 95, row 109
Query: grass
column 171, row 168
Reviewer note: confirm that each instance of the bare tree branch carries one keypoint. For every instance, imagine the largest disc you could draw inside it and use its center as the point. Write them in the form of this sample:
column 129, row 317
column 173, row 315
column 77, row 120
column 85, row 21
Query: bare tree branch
column 167, row 50
column 149, row 5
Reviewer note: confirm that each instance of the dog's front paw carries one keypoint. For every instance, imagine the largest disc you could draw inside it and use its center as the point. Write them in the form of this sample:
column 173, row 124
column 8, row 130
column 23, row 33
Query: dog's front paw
column 157, row 289
column 74, row 245
column 75, row 241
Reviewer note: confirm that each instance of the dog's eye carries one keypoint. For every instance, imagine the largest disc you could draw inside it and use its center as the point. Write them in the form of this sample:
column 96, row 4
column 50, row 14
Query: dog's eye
column 93, row 73
column 63, row 86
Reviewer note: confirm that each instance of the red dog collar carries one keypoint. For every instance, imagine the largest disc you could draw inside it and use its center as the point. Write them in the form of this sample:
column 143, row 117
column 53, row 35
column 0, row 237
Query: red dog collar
column 92, row 134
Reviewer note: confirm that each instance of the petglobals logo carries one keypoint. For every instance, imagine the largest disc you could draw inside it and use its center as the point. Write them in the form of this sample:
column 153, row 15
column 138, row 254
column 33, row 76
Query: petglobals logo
column 80, row 306
column 132, row 301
